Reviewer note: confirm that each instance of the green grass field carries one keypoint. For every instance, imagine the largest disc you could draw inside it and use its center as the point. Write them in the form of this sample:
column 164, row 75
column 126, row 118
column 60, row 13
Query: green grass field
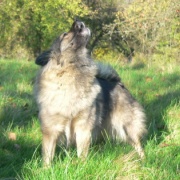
column 155, row 85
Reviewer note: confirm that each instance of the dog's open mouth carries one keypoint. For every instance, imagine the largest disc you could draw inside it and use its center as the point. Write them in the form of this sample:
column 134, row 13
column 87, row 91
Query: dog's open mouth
column 80, row 28
column 85, row 32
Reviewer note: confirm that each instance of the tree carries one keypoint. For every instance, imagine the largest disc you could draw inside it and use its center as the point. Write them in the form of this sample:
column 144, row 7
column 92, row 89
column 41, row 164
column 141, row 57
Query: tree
column 126, row 26
column 104, row 33
column 30, row 26
column 147, row 25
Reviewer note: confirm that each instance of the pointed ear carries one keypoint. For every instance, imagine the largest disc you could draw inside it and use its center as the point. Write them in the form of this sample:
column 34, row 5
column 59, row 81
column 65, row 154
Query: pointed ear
column 43, row 58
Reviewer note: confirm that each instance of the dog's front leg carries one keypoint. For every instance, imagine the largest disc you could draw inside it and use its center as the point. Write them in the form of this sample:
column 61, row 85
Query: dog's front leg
column 83, row 140
column 48, row 147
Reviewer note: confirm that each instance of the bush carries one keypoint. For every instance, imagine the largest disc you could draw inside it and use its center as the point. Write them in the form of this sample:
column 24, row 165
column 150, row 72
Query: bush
column 30, row 26
column 148, row 26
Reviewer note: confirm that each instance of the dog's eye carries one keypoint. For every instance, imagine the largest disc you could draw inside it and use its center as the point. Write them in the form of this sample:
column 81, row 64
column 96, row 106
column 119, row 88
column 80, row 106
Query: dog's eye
column 65, row 34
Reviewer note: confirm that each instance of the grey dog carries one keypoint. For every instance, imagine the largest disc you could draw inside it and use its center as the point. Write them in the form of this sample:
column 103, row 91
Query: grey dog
column 81, row 101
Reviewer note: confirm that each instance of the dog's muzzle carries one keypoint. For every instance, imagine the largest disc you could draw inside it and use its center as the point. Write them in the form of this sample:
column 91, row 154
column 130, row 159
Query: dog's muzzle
column 80, row 28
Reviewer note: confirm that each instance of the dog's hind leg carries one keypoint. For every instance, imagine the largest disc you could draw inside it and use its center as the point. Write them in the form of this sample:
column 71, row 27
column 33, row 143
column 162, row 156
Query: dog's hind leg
column 134, row 136
column 138, row 147
column 131, row 135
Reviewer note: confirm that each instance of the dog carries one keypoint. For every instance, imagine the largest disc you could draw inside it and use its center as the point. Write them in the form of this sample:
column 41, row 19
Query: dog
column 81, row 101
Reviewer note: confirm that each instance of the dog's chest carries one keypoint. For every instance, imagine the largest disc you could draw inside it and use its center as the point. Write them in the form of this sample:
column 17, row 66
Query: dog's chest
column 66, row 93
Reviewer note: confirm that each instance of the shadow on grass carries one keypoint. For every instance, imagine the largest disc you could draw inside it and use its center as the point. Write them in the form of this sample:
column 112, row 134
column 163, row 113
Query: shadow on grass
column 17, row 109
column 156, row 111
column 14, row 154
column 161, row 100
column 138, row 66
column 156, row 92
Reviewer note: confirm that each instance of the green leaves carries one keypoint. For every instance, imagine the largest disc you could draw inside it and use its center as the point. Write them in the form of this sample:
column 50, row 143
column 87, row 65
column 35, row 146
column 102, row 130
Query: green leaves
column 32, row 25
column 28, row 27
column 146, row 24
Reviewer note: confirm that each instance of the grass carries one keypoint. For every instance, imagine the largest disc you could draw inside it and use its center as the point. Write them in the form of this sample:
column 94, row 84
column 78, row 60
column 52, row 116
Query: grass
column 156, row 86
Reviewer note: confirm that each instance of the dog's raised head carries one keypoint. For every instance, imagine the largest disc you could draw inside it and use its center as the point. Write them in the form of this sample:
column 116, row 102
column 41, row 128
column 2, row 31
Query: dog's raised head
column 67, row 43
column 76, row 38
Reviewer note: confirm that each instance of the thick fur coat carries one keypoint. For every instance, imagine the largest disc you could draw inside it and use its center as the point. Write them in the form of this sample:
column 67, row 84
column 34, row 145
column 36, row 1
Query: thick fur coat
column 81, row 101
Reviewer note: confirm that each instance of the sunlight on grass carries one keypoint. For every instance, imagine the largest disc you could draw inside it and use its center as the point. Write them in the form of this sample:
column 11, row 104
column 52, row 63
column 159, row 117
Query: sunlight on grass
column 155, row 85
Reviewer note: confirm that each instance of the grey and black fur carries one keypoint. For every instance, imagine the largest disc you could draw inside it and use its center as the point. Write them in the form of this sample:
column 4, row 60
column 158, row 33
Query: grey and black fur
column 81, row 100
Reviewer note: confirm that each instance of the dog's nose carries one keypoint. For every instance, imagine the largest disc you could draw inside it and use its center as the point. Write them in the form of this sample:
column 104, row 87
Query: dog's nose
column 78, row 25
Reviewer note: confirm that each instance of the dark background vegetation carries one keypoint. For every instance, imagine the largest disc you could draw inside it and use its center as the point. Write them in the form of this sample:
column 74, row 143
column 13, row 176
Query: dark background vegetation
column 119, row 27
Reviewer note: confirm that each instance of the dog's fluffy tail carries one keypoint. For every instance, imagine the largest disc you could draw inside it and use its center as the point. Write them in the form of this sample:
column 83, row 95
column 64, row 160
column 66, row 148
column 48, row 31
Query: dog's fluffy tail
column 105, row 71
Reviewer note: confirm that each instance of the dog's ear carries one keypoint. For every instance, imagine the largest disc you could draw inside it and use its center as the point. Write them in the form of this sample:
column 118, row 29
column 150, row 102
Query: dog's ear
column 43, row 58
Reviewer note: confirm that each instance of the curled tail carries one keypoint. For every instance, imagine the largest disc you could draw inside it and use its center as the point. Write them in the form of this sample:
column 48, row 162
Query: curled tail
column 106, row 72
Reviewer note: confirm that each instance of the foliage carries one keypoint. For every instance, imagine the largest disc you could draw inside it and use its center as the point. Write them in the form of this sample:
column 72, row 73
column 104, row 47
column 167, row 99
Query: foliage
column 146, row 26
column 101, row 13
column 118, row 26
column 131, row 27
column 32, row 25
